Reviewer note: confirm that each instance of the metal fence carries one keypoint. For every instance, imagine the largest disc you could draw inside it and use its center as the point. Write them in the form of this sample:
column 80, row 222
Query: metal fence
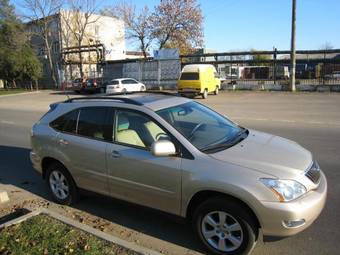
column 313, row 67
column 153, row 73
column 245, row 69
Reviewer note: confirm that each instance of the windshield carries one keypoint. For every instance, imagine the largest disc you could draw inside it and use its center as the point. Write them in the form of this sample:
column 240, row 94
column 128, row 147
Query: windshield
column 207, row 130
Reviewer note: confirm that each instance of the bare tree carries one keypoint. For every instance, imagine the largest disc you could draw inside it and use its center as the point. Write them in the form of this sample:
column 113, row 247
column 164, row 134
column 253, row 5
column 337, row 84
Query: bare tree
column 178, row 23
column 81, row 14
column 41, row 16
column 326, row 46
column 138, row 23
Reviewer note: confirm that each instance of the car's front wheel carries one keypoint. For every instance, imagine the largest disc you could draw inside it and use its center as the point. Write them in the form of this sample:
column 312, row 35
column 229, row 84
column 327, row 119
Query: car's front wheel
column 61, row 185
column 225, row 227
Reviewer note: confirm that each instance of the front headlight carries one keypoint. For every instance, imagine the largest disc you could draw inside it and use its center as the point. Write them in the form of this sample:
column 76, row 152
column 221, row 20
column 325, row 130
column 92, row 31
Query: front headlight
column 285, row 190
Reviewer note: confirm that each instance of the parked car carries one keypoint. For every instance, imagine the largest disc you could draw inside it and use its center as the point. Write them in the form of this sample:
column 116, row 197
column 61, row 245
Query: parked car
column 199, row 79
column 124, row 85
column 334, row 75
column 88, row 85
column 179, row 156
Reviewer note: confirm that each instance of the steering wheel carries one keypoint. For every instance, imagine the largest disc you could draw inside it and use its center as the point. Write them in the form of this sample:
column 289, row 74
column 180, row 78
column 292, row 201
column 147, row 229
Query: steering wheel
column 197, row 127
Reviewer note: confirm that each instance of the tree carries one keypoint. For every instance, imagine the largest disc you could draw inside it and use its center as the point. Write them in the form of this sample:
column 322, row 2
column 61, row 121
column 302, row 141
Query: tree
column 41, row 14
column 260, row 59
column 326, row 46
column 178, row 23
column 6, row 11
column 81, row 14
column 138, row 23
column 17, row 59
column 29, row 65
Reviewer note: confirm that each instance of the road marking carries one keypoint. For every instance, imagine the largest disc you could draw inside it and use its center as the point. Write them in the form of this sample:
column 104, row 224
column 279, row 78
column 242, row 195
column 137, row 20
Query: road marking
column 7, row 122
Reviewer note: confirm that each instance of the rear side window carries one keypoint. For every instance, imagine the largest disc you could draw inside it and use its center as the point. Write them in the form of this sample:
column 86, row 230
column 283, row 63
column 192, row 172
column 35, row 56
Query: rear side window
column 114, row 82
column 93, row 123
column 66, row 123
column 189, row 76
column 129, row 81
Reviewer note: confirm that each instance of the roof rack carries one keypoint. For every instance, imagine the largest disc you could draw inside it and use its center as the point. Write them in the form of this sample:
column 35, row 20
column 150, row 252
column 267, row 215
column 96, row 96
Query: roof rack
column 123, row 99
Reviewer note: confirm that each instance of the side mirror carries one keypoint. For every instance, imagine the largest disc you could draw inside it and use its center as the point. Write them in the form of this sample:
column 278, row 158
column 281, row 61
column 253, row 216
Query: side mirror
column 163, row 148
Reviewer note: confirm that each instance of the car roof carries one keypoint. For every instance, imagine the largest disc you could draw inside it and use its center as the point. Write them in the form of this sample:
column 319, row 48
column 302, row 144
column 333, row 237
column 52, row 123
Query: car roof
column 196, row 67
column 151, row 100
column 122, row 79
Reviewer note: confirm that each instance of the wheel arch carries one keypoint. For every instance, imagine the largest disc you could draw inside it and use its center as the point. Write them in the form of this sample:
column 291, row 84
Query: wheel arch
column 201, row 196
column 47, row 161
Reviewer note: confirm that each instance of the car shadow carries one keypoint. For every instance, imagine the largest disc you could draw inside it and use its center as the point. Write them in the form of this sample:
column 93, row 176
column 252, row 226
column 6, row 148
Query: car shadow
column 16, row 169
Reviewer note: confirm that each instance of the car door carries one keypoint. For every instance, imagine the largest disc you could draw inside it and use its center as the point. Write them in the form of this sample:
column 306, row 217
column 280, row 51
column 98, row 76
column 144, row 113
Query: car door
column 126, row 85
column 135, row 84
column 134, row 173
column 83, row 142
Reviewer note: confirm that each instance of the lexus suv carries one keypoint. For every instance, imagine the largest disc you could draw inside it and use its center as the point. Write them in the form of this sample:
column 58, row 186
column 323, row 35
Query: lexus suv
column 177, row 155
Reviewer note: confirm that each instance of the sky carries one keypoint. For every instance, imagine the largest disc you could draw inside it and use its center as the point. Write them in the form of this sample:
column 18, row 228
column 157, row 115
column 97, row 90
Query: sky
column 262, row 24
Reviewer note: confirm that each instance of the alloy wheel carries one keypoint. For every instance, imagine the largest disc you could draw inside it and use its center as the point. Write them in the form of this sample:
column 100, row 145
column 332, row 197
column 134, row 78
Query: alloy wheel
column 59, row 185
column 222, row 231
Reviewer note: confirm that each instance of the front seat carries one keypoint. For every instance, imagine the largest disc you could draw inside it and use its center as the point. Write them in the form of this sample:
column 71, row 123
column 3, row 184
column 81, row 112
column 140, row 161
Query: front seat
column 126, row 135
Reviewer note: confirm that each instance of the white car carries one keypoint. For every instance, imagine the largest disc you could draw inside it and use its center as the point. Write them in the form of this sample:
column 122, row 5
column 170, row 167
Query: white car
column 124, row 85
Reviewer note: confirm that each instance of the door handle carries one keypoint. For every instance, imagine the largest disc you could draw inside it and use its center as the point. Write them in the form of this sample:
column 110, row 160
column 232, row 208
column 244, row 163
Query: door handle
column 62, row 142
column 115, row 154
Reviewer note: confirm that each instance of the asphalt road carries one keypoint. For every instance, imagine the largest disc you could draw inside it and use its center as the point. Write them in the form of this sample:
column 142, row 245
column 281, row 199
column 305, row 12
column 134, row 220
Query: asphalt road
column 313, row 120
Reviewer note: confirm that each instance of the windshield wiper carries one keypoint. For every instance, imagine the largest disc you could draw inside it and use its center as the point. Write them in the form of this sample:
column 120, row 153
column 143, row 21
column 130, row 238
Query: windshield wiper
column 240, row 136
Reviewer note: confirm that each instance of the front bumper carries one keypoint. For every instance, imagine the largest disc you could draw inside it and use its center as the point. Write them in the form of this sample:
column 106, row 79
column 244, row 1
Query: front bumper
column 304, row 211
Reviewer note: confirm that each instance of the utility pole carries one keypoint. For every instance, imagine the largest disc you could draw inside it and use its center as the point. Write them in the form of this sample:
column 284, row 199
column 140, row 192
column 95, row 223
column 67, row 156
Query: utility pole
column 292, row 48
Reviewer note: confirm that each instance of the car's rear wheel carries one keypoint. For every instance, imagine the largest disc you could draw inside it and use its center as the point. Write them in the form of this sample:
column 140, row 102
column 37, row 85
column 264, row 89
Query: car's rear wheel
column 142, row 88
column 225, row 227
column 205, row 94
column 61, row 185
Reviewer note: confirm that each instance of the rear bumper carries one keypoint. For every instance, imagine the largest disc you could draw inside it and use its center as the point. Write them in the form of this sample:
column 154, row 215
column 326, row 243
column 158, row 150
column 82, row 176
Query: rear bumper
column 302, row 212
column 190, row 91
column 113, row 90
column 36, row 161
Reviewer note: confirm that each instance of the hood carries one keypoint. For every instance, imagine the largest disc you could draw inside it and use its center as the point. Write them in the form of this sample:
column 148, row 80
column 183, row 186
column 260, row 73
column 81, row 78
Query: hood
column 268, row 153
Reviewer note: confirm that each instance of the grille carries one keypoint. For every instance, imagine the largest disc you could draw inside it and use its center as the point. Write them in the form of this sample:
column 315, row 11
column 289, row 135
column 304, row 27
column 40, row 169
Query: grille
column 314, row 172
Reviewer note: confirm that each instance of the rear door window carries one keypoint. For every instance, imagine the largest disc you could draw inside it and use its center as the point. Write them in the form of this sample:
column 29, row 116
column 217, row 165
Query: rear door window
column 93, row 123
column 189, row 76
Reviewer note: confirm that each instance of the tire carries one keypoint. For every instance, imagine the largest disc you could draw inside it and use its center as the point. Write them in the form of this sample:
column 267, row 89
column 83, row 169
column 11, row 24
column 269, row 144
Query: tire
column 216, row 91
column 124, row 91
column 77, row 91
column 205, row 94
column 142, row 88
column 244, row 233
column 58, row 173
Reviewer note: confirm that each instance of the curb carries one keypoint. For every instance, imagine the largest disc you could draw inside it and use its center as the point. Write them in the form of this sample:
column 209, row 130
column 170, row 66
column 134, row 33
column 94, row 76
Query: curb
column 19, row 94
column 85, row 228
